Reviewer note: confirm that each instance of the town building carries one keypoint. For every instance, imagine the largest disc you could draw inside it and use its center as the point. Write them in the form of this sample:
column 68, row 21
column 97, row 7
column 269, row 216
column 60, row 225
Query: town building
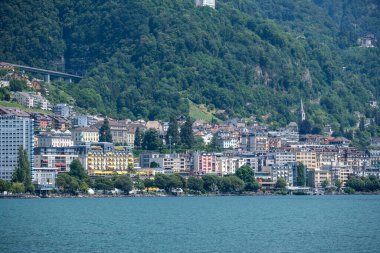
column 316, row 177
column 62, row 110
column 174, row 162
column 308, row 158
column 58, row 158
column 286, row 171
column 55, row 139
column 204, row 163
column 16, row 129
column 32, row 100
column 255, row 142
column 82, row 135
column 104, row 158
column 44, row 178
column 121, row 134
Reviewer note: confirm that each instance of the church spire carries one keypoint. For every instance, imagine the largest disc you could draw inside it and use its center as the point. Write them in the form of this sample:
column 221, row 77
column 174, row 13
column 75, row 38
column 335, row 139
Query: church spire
column 301, row 114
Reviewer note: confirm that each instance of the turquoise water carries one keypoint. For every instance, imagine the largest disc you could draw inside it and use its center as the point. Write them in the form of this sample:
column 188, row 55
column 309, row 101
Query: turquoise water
column 192, row 224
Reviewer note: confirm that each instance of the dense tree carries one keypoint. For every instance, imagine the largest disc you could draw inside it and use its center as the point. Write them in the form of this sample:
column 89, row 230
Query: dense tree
column 301, row 175
column 17, row 85
column 187, row 135
column 338, row 184
column 281, row 183
column 17, row 187
column 105, row 132
column 325, row 183
column 123, row 183
column 211, row 182
column 152, row 140
column 253, row 186
column 246, row 174
column 138, row 138
column 172, row 134
column 22, row 173
column 215, row 145
column 5, row 186
column 195, row 184
column 67, row 183
column 105, row 184
column 77, row 170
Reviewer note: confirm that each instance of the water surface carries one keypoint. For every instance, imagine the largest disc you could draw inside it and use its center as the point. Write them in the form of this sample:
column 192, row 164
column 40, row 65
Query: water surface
column 192, row 224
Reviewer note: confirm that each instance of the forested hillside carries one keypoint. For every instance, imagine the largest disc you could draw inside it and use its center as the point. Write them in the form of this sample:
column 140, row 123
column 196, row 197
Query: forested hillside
column 148, row 58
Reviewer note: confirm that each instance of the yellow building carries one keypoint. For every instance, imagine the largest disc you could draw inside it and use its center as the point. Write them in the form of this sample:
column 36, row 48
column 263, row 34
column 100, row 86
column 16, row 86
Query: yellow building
column 106, row 159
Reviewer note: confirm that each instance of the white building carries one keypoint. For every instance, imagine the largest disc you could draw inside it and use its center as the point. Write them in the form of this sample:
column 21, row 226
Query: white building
column 16, row 129
column 84, row 134
column 209, row 3
column 55, row 139
column 32, row 100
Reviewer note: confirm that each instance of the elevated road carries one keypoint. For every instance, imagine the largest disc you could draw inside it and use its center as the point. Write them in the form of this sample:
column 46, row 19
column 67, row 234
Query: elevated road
column 47, row 73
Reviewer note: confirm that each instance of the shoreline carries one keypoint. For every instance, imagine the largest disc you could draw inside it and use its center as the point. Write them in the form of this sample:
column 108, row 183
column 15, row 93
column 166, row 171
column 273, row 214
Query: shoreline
column 28, row 196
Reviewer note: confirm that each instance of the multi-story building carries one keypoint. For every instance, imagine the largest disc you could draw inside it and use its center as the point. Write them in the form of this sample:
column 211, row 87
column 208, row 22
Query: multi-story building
column 58, row 158
column 174, row 162
column 82, row 135
column 16, row 129
column 205, row 163
column 316, row 177
column 286, row 171
column 282, row 158
column 62, row 110
column 307, row 158
column 255, row 142
column 104, row 158
column 121, row 134
column 44, row 178
column 55, row 139
column 32, row 99
column 209, row 3
column 42, row 122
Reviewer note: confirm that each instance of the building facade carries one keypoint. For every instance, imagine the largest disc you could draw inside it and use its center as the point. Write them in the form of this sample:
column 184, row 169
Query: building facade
column 82, row 135
column 16, row 130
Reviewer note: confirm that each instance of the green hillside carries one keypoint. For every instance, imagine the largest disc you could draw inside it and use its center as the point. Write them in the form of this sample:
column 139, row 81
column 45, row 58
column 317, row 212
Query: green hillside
column 148, row 58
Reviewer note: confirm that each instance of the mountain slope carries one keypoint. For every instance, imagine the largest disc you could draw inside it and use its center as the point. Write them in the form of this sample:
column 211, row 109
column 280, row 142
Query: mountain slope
column 148, row 58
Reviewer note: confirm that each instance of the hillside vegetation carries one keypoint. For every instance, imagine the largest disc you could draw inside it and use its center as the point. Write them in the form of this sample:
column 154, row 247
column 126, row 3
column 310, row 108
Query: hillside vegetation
column 148, row 58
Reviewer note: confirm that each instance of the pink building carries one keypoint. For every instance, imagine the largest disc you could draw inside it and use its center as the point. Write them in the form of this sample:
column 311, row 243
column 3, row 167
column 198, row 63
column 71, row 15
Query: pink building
column 204, row 163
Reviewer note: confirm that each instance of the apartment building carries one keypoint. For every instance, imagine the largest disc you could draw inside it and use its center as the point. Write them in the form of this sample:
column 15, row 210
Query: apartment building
column 308, row 158
column 32, row 100
column 55, row 139
column 104, row 158
column 205, row 163
column 82, row 135
column 16, row 129
column 58, row 158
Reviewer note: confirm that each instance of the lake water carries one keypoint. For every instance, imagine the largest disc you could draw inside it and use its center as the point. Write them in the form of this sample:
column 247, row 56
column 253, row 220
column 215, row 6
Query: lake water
column 192, row 224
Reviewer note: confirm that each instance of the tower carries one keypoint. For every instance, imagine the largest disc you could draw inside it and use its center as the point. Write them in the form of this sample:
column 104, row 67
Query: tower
column 301, row 114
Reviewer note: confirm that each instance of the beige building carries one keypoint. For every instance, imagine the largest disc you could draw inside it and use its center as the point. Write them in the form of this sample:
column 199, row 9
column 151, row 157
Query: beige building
column 84, row 134
column 316, row 177
column 121, row 134
column 307, row 158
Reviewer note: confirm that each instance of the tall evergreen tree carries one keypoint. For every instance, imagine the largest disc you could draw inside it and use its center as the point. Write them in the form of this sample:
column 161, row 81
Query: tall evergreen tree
column 105, row 132
column 138, row 138
column 22, row 172
column 172, row 132
column 152, row 140
column 187, row 136
column 301, row 178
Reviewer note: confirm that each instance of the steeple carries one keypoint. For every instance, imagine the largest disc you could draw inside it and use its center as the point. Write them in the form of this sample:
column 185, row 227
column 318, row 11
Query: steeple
column 301, row 114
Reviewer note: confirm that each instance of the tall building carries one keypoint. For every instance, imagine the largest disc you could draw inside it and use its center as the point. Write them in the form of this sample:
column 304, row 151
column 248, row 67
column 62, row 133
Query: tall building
column 16, row 128
column 209, row 3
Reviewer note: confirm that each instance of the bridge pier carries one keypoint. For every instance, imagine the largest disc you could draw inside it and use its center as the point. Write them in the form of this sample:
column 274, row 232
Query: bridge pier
column 47, row 78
